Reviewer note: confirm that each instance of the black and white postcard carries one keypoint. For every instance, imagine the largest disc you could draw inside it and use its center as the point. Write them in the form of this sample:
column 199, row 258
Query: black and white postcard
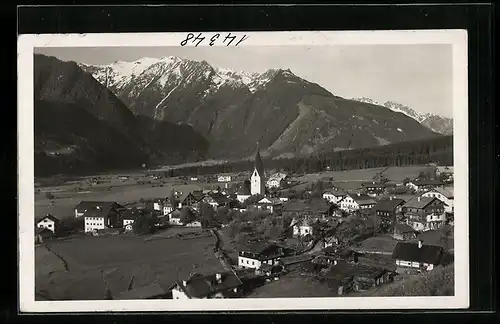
column 243, row 171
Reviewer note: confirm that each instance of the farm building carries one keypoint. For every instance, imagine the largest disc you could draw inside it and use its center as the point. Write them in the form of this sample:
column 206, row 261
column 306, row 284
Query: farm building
column 269, row 204
column 417, row 256
column 293, row 261
column 275, row 180
column 106, row 206
column 254, row 255
column 41, row 234
column 424, row 185
column 302, row 227
column 334, row 196
column 153, row 291
column 49, row 222
column 445, row 194
column 373, row 189
column 217, row 285
column 99, row 218
column 224, row 178
column 331, row 240
column 244, row 192
column 404, row 232
column 424, row 213
column 364, row 276
column 353, row 202
column 388, row 208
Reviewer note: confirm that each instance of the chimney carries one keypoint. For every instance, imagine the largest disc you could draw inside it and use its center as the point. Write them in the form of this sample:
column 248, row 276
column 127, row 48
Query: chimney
column 390, row 198
column 98, row 207
column 334, row 262
column 184, row 283
column 418, row 198
column 218, row 277
column 419, row 244
column 359, row 194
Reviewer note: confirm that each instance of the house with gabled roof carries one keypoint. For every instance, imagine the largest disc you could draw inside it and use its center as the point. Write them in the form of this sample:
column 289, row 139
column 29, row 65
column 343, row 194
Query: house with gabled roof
column 48, row 222
column 101, row 216
column 356, row 201
column 334, row 195
column 387, row 209
column 417, row 256
column 404, row 232
column 445, row 194
column 253, row 255
column 83, row 206
column 216, row 285
column 424, row 213
column 422, row 185
column 373, row 188
column 270, row 204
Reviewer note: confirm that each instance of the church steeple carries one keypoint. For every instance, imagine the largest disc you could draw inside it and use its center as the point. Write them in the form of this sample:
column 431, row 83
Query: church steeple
column 259, row 165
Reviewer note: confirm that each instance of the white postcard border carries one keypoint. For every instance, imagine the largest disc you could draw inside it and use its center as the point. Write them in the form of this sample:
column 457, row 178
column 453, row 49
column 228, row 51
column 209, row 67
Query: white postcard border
column 26, row 45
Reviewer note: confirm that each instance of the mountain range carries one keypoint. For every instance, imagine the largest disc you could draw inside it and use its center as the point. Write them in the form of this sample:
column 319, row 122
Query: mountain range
column 172, row 110
column 81, row 126
column 439, row 124
column 285, row 113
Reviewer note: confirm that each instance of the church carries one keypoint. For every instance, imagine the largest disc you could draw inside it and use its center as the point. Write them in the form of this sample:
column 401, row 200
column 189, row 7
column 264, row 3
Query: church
column 257, row 180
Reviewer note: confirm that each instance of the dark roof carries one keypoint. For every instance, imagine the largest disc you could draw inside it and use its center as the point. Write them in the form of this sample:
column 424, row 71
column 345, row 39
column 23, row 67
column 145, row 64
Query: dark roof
column 244, row 188
column 357, row 270
column 105, row 205
column 362, row 199
column 419, row 202
column 259, row 165
column 218, row 197
column 388, row 204
column 403, row 228
column 296, row 259
column 146, row 292
column 335, row 191
column 258, row 247
column 199, row 286
column 411, row 252
column 49, row 216
column 198, row 195
column 131, row 213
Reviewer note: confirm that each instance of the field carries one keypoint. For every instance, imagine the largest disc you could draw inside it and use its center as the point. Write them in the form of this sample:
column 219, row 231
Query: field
column 111, row 188
column 91, row 261
column 293, row 285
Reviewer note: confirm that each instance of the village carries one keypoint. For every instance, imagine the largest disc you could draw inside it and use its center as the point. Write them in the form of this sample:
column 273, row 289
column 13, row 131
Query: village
column 271, row 231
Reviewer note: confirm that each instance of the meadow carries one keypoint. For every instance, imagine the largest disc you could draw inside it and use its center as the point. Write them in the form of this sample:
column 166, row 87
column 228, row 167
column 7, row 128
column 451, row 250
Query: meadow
column 118, row 261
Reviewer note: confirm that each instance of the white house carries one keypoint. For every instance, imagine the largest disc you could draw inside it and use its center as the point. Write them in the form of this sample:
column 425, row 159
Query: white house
column 269, row 204
column 217, row 285
column 257, row 180
column 167, row 209
column 353, row 202
column 224, row 178
column 174, row 218
column 193, row 224
column 275, row 180
column 302, row 228
column 85, row 206
column 158, row 205
column 254, row 255
column 416, row 256
column 49, row 222
column 334, row 195
column 93, row 223
column 445, row 194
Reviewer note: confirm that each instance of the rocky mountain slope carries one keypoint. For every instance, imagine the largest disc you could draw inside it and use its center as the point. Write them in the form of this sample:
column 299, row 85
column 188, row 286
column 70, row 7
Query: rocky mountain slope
column 235, row 110
column 81, row 126
column 436, row 123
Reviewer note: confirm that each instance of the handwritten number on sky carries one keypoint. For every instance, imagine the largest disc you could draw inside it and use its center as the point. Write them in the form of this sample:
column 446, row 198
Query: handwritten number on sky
column 229, row 39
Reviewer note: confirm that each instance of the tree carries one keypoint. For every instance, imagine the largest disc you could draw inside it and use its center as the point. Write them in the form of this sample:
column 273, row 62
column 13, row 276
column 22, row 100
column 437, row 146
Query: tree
column 223, row 215
column 145, row 223
column 187, row 215
column 317, row 189
column 206, row 215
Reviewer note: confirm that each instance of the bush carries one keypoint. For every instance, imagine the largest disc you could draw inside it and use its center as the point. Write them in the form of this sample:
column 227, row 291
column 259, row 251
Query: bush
column 49, row 195
column 145, row 223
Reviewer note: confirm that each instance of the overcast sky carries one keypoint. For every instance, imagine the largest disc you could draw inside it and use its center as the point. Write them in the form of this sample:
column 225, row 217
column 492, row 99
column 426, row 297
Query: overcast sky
column 419, row 76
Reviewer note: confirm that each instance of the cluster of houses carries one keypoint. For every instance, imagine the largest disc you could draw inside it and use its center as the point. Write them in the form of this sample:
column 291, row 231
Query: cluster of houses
column 344, row 269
